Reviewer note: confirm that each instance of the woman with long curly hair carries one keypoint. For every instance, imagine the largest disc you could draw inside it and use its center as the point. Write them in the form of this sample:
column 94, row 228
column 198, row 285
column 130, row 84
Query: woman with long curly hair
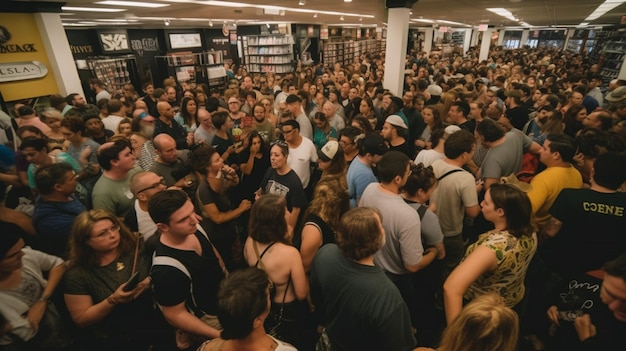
column 103, row 255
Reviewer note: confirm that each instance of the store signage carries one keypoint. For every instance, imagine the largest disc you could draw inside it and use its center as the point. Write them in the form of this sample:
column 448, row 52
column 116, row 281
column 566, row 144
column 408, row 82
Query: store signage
column 145, row 44
column 5, row 37
column 81, row 49
column 14, row 71
column 114, row 41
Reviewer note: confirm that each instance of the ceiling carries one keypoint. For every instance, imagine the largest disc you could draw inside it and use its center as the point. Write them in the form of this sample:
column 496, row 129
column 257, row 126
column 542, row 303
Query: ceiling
column 198, row 13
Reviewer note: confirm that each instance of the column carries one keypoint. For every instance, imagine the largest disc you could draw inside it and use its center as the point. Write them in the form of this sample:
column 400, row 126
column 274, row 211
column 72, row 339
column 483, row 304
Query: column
column 475, row 34
column 568, row 36
column 428, row 40
column 395, row 56
column 58, row 51
column 501, row 37
column 524, row 39
column 485, row 44
column 466, row 40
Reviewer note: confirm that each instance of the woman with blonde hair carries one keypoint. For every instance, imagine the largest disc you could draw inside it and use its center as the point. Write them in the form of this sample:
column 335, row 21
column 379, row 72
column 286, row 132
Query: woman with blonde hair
column 113, row 310
column 485, row 324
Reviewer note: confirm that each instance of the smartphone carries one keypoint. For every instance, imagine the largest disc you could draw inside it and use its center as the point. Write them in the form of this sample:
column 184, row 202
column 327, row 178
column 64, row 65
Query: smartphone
column 132, row 282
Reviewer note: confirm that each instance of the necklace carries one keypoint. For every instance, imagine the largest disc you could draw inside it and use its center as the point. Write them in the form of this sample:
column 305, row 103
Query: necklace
column 119, row 266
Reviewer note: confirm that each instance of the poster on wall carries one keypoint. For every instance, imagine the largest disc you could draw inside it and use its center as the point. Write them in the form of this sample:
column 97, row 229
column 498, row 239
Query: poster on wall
column 114, row 41
column 185, row 40
column 324, row 33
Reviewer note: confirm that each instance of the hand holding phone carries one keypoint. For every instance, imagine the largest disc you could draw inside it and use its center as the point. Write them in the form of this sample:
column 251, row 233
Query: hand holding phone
column 132, row 282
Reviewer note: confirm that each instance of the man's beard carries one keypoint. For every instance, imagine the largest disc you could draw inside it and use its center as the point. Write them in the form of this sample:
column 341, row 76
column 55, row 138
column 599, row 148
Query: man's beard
column 147, row 131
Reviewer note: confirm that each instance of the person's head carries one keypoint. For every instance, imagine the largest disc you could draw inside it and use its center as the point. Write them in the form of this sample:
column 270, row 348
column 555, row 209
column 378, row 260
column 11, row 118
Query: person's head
column 557, row 148
column 367, row 106
column 243, row 302
column 165, row 109
column 360, row 233
column 97, row 231
column 258, row 111
column 330, row 202
column 165, row 147
column 394, row 167
column 170, row 92
column 485, row 324
column 278, row 155
column 507, row 202
column 613, row 291
column 76, row 100
column 268, row 220
column 329, row 109
column 347, row 138
column 421, row 182
column 599, row 119
column 609, row 170
column 145, row 184
column 188, row 107
column 29, row 131
column 234, row 105
column 575, row 98
column 459, row 110
column 371, row 144
column 290, row 130
column 11, row 253
column 34, row 149
column 125, row 127
column 116, row 107
column 320, row 121
column 394, row 127
column 116, row 155
column 331, row 159
column 294, row 103
column 460, row 144
column 93, row 124
column 221, row 120
column 489, row 130
column 51, row 117
column 173, row 213
column 205, row 159
column 363, row 124
column 159, row 94
column 57, row 177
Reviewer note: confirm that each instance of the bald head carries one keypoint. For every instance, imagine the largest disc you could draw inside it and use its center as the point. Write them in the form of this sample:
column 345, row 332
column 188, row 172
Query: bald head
column 329, row 109
column 145, row 184
column 163, row 141
column 165, row 110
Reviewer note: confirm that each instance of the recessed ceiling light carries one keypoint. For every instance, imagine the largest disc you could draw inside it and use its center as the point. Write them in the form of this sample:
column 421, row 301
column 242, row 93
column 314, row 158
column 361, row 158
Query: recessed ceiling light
column 315, row 15
column 131, row 4
column 91, row 9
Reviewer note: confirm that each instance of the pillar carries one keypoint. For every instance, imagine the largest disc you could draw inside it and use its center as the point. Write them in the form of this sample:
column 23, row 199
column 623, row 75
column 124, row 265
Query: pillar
column 568, row 36
column 524, row 39
column 395, row 55
column 475, row 34
column 428, row 40
column 58, row 50
column 484, row 45
column 501, row 37
column 466, row 40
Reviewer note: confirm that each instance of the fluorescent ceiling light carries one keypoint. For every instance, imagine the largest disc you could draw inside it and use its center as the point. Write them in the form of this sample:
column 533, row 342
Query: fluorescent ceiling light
column 584, row 24
column 503, row 12
column 266, row 7
column 423, row 20
column 605, row 7
column 115, row 20
column 91, row 9
column 131, row 4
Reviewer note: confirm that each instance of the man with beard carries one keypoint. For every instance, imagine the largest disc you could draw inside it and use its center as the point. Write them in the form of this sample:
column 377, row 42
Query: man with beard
column 166, row 124
column 264, row 126
column 146, row 129
column 80, row 107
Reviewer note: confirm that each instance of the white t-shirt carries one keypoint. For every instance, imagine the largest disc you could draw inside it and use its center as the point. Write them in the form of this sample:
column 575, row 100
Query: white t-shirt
column 146, row 225
column 427, row 157
column 111, row 122
column 300, row 160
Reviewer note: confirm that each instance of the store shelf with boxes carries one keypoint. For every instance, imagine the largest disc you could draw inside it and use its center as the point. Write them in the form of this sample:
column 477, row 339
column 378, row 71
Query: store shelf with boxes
column 614, row 52
column 194, row 68
column 345, row 52
column 114, row 72
column 268, row 53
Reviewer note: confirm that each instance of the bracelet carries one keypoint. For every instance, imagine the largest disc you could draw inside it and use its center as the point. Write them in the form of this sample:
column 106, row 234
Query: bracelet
column 111, row 301
column 44, row 298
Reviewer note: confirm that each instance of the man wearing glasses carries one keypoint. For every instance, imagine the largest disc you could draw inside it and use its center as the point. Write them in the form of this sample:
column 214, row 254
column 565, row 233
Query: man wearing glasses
column 302, row 151
column 143, row 185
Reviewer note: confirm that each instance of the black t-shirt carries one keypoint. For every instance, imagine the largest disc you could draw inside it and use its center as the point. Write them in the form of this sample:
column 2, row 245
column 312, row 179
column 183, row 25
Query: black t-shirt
column 518, row 117
column 221, row 145
column 288, row 186
column 405, row 148
column 208, row 196
column 251, row 182
column 171, row 286
column 176, row 131
column 328, row 234
column 592, row 231
column 103, row 139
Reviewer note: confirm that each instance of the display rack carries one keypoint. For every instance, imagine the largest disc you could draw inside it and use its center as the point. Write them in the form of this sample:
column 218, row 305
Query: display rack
column 614, row 50
column 113, row 72
column 204, row 67
column 345, row 52
column 268, row 53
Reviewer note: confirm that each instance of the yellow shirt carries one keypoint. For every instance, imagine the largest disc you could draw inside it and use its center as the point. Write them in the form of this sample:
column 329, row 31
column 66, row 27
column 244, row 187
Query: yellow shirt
column 546, row 186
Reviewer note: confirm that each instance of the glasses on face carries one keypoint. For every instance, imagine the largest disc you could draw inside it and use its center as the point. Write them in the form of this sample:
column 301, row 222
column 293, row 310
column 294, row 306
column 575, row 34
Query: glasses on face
column 104, row 233
column 344, row 143
column 153, row 186
column 287, row 131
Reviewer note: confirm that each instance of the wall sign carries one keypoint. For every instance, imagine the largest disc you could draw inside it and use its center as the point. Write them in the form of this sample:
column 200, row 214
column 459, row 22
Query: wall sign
column 145, row 44
column 185, row 40
column 13, row 71
column 11, row 48
column 114, row 41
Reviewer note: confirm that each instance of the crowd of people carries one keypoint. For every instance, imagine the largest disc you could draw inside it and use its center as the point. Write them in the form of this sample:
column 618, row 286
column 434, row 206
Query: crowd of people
column 483, row 209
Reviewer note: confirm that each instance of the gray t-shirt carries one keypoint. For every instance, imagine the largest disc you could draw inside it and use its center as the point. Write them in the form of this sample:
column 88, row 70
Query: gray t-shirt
column 403, row 237
column 505, row 158
column 454, row 193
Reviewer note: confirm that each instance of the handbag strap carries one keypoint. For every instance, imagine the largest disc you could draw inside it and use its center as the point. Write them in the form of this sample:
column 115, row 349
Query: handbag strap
column 450, row 172
column 260, row 263
column 136, row 254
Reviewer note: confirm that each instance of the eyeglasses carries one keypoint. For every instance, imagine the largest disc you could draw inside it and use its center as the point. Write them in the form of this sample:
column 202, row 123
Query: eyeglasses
column 153, row 186
column 106, row 232
column 287, row 131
